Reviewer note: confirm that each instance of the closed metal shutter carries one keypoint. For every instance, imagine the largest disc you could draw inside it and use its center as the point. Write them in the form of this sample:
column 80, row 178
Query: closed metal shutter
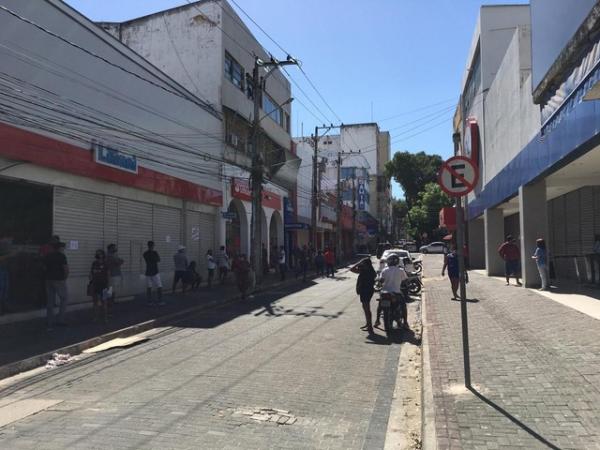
column 134, row 228
column 111, row 208
column 572, row 220
column 79, row 221
column 559, row 245
column 192, row 238
column 166, row 231
column 587, row 220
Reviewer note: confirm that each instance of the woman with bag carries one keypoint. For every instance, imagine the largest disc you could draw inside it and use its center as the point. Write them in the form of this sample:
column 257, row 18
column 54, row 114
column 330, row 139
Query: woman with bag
column 365, row 288
column 98, row 286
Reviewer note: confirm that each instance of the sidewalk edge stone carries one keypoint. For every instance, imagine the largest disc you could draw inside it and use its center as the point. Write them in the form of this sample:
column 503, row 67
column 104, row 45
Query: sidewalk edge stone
column 428, row 434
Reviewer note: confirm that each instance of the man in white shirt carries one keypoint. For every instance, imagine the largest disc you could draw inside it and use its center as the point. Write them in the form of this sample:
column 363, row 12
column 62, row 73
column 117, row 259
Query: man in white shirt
column 392, row 278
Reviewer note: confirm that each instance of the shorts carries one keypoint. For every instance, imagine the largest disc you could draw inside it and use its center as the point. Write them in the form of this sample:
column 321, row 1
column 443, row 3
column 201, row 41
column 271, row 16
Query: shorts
column 512, row 268
column 180, row 275
column 153, row 281
column 365, row 297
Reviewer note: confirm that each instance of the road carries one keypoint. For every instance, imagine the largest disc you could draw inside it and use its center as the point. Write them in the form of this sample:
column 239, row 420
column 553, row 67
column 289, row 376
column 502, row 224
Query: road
column 289, row 369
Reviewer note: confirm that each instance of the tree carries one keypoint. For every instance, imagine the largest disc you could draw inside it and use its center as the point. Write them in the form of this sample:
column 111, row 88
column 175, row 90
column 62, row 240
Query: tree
column 423, row 217
column 413, row 171
column 399, row 215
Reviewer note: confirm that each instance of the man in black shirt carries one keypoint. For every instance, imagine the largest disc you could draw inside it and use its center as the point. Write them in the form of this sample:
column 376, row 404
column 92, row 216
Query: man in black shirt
column 152, row 275
column 56, row 274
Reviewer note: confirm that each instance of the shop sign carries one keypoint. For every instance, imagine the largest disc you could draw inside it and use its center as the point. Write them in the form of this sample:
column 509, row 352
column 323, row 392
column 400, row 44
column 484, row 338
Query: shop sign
column 114, row 158
column 229, row 215
column 362, row 194
column 297, row 226
column 240, row 188
column 288, row 211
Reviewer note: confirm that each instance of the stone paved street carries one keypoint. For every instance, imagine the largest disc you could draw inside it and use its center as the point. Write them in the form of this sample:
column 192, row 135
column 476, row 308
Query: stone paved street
column 291, row 370
column 535, row 368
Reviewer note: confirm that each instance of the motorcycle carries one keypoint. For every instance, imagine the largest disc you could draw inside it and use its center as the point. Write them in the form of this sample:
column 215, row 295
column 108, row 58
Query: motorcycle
column 390, row 307
column 414, row 283
column 418, row 266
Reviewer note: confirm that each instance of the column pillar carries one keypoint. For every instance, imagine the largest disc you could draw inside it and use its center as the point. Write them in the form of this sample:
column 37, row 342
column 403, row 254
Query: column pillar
column 494, row 236
column 533, row 216
column 475, row 244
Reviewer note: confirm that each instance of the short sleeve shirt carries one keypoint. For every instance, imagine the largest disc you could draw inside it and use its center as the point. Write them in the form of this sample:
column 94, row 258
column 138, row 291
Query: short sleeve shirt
column 55, row 263
column 151, row 257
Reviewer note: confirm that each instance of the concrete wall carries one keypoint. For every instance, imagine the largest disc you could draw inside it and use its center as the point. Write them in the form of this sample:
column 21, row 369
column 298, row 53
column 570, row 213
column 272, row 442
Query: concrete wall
column 305, row 151
column 511, row 118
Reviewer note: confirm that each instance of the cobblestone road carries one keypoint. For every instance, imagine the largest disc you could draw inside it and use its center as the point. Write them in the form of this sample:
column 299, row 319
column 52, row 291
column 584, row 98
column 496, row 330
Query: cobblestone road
column 218, row 380
column 535, row 367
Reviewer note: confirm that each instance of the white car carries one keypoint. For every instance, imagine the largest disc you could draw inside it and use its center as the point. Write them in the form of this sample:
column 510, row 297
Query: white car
column 403, row 255
column 434, row 247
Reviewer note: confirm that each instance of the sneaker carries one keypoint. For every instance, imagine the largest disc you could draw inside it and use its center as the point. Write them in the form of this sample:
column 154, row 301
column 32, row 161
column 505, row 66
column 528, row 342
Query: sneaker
column 519, row 283
column 508, row 284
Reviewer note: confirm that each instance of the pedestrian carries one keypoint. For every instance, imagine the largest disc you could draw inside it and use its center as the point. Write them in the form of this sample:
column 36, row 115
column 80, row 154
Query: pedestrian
column 56, row 272
column 320, row 264
column 241, row 270
column 114, row 263
column 329, row 263
column 211, row 266
column 49, row 246
column 541, row 257
column 265, row 260
column 510, row 253
column 192, row 277
column 181, row 266
column 98, row 287
column 152, row 258
column 223, row 263
column 302, row 262
column 451, row 263
column 365, row 288
column 281, row 261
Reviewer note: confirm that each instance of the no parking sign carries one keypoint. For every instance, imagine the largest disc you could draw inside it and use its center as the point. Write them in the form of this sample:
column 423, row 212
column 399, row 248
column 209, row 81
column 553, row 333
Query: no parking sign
column 458, row 176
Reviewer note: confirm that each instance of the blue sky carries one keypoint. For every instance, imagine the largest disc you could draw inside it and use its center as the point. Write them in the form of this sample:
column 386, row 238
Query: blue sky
column 401, row 59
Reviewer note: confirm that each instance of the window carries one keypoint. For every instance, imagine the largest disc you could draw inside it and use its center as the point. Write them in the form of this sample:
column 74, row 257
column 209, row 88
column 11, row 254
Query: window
column 249, row 87
column 272, row 109
column 234, row 72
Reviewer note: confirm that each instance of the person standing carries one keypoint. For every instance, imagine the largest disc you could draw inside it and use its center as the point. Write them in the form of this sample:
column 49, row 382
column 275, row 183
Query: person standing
column 302, row 262
column 365, row 288
column 223, row 263
column 510, row 253
column 181, row 266
column 99, row 277
column 211, row 266
column 329, row 263
column 281, row 262
column 152, row 258
column 320, row 264
column 114, row 264
column 242, row 274
column 541, row 257
column 56, row 274
column 451, row 263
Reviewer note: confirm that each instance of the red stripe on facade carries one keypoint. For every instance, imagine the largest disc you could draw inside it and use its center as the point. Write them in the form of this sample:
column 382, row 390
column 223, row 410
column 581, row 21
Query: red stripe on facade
column 22, row 145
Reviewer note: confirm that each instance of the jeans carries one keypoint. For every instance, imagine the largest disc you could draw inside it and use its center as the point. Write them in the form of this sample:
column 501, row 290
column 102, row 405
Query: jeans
column 543, row 270
column 329, row 269
column 56, row 288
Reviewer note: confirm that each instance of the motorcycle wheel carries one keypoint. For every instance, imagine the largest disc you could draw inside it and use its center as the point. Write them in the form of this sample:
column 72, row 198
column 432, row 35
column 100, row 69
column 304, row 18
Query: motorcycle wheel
column 418, row 267
column 414, row 287
column 387, row 322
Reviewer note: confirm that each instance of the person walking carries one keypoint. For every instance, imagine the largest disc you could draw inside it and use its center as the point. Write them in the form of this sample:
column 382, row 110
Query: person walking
column 281, row 262
column 192, row 277
column 241, row 270
column 329, row 263
column 56, row 272
column 451, row 263
column 320, row 264
column 510, row 253
column 152, row 258
column 223, row 263
column 211, row 265
column 365, row 288
column 114, row 263
column 181, row 266
column 99, row 278
column 302, row 262
column 541, row 257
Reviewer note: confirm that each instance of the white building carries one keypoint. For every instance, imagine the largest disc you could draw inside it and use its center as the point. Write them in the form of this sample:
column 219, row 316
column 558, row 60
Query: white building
column 207, row 48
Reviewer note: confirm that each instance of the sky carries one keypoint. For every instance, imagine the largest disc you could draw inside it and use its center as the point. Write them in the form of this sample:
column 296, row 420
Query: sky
column 396, row 62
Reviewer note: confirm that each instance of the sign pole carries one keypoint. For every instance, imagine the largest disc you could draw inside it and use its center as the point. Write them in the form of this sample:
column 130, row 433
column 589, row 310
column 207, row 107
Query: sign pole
column 463, row 289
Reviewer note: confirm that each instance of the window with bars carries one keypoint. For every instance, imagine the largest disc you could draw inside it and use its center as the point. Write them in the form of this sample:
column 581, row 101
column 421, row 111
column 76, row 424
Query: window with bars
column 234, row 72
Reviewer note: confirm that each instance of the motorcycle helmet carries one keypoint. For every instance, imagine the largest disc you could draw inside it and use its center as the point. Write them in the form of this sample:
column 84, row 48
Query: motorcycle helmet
column 393, row 260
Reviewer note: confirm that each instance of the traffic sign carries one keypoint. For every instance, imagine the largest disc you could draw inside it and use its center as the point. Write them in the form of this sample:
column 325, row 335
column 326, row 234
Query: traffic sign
column 458, row 176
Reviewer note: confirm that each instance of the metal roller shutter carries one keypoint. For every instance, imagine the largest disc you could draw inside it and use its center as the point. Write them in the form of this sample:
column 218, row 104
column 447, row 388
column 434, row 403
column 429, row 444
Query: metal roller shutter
column 79, row 221
column 207, row 237
column 587, row 220
column 166, row 231
column 111, row 208
column 134, row 228
column 192, row 240
column 573, row 223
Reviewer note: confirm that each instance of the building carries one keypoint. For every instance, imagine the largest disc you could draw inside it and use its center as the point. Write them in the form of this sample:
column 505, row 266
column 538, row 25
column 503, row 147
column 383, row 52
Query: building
column 98, row 146
column 539, row 150
column 206, row 47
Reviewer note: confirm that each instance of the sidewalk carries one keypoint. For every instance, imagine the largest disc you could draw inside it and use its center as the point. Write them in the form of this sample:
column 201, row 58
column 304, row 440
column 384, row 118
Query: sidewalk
column 29, row 339
column 535, row 368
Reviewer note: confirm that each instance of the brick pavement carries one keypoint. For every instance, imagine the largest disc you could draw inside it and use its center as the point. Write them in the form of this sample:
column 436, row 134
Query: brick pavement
column 190, row 387
column 535, row 367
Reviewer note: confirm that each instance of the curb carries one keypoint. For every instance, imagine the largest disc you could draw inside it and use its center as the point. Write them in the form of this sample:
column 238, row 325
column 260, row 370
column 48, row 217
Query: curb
column 428, row 433
column 33, row 362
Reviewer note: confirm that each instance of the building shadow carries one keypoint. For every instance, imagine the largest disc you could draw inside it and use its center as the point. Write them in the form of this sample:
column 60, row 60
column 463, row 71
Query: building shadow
column 513, row 419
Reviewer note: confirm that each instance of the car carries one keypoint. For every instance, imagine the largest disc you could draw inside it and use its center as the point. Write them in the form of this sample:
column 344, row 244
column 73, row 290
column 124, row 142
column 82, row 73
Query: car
column 434, row 247
column 406, row 260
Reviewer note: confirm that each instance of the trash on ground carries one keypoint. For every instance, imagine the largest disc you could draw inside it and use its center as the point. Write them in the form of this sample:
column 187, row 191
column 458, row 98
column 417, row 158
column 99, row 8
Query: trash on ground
column 58, row 359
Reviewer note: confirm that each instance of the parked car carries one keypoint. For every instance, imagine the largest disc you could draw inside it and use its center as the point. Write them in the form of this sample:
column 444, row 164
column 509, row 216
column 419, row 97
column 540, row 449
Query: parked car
column 406, row 260
column 434, row 247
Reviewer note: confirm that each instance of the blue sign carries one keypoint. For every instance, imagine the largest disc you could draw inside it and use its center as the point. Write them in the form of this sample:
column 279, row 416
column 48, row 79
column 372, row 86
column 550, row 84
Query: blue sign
column 114, row 158
column 288, row 211
column 297, row 226
column 229, row 215
column 362, row 197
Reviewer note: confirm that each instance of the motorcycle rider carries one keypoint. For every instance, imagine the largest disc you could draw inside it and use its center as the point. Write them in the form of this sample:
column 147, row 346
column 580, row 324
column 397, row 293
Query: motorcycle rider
column 392, row 279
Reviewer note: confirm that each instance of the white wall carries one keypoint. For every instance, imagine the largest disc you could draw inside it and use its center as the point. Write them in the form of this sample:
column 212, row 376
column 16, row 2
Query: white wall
column 511, row 118
column 304, row 151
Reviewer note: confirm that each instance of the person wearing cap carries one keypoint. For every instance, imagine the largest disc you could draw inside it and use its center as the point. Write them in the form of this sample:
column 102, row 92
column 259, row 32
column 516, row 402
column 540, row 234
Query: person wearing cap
column 56, row 272
column 152, row 258
column 510, row 253
column 541, row 257
column 181, row 266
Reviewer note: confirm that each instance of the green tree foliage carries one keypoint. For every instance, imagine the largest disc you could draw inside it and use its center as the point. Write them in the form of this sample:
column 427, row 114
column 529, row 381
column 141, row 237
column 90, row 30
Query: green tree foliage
column 423, row 216
column 413, row 171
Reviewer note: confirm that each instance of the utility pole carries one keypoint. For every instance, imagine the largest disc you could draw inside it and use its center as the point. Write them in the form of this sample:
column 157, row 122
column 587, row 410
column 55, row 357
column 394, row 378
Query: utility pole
column 257, row 170
column 315, row 189
column 339, row 208
column 354, row 210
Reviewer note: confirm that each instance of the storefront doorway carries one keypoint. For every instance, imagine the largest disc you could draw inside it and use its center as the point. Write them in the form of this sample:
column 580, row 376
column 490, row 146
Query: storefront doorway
column 236, row 229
